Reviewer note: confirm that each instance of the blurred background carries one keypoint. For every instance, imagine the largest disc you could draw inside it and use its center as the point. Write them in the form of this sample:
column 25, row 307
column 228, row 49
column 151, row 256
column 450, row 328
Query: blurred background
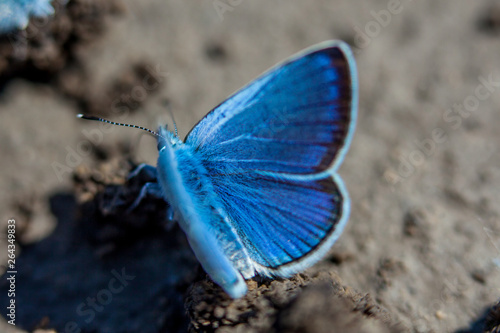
column 423, row 171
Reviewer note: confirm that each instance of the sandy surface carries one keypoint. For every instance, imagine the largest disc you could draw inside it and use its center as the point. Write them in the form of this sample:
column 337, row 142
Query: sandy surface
column 424, row 235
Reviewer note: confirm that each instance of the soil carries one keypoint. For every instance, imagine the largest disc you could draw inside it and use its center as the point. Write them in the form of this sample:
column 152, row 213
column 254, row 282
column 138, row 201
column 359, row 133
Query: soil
column 421, row 252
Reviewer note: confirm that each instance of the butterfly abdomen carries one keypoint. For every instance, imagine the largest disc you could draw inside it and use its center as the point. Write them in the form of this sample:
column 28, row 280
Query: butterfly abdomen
column 189, row 190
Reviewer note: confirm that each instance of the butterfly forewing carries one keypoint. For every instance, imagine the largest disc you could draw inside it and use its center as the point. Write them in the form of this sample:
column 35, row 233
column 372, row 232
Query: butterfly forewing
column 296, row 118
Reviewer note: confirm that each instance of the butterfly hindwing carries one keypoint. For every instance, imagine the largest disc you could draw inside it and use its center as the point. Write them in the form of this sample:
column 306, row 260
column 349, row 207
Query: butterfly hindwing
column 286, row 225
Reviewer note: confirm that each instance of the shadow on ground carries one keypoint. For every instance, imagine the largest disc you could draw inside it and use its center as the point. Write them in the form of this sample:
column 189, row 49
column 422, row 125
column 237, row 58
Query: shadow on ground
column 103, row 274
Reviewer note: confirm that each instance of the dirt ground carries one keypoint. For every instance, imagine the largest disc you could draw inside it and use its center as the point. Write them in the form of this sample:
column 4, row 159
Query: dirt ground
column 421, row 252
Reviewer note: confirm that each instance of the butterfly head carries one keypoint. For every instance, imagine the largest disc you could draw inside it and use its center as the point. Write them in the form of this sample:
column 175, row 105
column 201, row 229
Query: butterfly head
column 167, row 138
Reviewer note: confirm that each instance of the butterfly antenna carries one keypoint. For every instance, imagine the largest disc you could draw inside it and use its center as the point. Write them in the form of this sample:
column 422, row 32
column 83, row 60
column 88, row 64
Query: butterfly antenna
column 175, row 127
column 118, row 124
column 167, row 106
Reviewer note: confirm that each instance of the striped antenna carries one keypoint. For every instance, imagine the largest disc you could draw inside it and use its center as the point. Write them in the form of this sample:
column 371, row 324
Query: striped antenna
column 167, row 106
column 118, row 124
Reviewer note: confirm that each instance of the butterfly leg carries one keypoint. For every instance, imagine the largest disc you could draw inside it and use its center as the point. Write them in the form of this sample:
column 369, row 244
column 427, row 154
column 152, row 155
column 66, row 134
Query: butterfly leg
column 151, row 189
column 148, row 170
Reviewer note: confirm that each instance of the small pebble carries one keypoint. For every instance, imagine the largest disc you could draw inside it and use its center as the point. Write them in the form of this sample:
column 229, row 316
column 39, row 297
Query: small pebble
column 440, row 315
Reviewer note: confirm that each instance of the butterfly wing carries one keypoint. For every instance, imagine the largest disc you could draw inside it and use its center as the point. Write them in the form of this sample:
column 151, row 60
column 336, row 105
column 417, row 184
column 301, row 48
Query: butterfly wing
column 271, row 150
column 297, row 118
column 286, row 225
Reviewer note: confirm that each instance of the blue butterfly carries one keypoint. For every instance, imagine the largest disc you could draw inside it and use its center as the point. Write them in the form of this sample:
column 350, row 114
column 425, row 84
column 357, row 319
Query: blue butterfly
column 254, row 184
column 15, row 14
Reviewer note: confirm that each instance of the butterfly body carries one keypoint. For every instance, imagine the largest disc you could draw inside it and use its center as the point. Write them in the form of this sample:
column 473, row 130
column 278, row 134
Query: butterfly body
column 187, row 188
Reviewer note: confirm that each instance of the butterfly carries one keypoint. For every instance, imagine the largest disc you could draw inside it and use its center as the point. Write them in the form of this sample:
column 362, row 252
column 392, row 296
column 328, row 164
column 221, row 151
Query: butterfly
column 15, row 14
column 255, row 184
